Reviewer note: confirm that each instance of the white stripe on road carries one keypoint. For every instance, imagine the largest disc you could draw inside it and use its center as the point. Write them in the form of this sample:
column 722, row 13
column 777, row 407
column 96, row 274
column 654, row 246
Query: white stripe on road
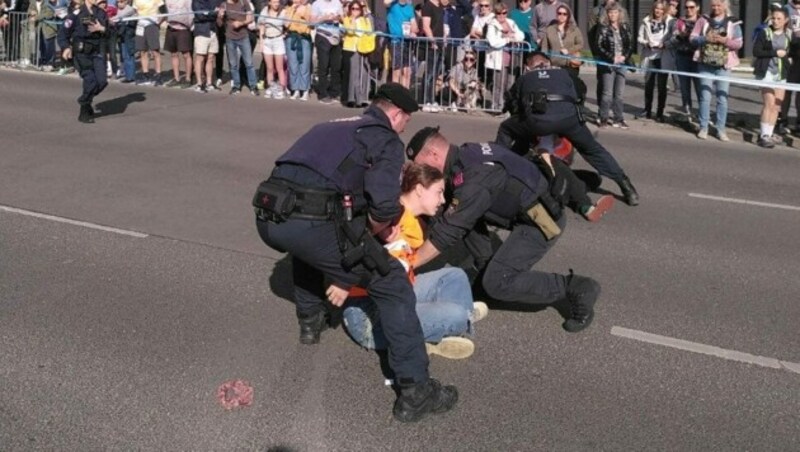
column 745, row 201
column 705, row 349
column 73, row 222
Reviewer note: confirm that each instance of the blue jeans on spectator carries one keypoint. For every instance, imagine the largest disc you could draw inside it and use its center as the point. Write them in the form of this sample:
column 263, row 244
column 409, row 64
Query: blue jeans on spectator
column 235, row 47
column 433, row 69
column 685, row 63
column 444, row 304
column 298, row 51
column 613, row 82
column 720, row 90
column 47, row 50
column 127, row 49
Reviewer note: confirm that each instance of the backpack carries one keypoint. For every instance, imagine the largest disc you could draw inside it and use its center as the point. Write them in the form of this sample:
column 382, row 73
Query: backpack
column 715, row 54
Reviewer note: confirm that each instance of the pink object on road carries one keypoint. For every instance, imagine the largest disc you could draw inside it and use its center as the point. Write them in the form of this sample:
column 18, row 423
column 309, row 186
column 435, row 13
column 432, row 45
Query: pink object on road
column 235, row 393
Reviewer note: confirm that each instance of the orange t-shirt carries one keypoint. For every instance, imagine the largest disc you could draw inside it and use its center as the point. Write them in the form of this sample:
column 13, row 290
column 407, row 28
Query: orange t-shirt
column 404, row 248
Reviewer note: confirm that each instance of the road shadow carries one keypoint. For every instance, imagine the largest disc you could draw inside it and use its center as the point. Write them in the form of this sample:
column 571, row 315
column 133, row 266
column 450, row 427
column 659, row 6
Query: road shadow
column 117, row 106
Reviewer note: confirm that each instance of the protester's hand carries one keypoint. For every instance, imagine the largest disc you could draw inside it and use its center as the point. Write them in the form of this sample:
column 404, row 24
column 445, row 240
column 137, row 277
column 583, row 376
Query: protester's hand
column 564, row 51
column 336, row 295
column 67, row 53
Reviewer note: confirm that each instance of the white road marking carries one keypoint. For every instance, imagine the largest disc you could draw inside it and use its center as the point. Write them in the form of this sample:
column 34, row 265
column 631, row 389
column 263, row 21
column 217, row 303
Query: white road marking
column 745, row 201
column 696, row 347
column 72, row 222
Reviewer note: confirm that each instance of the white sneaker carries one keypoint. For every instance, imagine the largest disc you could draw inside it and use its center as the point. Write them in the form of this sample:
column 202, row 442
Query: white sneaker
column 295, row 95
column 479, row 311
column 267, row 93
column 454, row 107
column 427, row 108
column 702, row 134
column 723, row 136
column 278, row 94
column 219, row 83
column 304, row 97
column 452, row 347
column 435, row 108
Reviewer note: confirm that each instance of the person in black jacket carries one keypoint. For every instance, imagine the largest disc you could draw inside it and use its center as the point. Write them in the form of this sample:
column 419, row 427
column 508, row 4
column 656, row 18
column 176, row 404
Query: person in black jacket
column 544, row 101
column 488, row 184
column 328, row 210
column 82, row 38
column 771, row 50
column 615, row 45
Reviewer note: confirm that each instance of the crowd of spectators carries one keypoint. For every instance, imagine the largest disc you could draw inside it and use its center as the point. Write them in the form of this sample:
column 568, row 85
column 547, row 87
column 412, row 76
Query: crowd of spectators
column 456, row 54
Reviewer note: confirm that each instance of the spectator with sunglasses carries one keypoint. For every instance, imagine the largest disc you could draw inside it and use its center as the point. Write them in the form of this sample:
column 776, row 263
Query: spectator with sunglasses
column 463, row 83
column 564, row 38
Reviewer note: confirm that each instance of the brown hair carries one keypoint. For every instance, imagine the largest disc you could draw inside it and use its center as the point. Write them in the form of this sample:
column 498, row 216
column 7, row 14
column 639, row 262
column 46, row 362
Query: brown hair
column 414, row 173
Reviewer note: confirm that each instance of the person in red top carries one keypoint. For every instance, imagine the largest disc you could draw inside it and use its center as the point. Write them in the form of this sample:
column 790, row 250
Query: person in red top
column 444, row 298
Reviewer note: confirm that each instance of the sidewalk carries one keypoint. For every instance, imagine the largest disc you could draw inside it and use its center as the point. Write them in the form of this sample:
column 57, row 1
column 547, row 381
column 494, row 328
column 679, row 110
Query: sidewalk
column 744, row 106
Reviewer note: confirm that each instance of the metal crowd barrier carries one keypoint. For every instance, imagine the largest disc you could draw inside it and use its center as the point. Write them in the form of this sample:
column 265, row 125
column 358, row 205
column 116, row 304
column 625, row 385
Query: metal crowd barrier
column 426, row 66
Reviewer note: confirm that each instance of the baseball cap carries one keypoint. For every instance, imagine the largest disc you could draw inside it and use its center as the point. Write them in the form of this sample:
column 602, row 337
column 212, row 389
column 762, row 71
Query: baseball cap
column 398, row 95
column 417, row 142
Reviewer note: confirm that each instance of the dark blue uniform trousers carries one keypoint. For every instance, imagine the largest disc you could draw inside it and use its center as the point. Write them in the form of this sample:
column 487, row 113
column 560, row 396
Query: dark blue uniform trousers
column 92, row 69
column 509, row 274
column 316, row 261
column 516, row 129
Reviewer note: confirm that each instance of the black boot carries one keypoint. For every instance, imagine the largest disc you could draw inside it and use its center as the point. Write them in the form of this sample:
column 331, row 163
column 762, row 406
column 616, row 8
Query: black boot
column 91, row 110
column 582, row 293
column 85, row 117
column 311, row 328
column 628, row 192
column 417, row 401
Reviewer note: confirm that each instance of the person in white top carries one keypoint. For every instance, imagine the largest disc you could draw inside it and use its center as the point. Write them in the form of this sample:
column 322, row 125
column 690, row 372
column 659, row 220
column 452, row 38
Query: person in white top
column 653, row 35
column 500, row 33
column 271, row 31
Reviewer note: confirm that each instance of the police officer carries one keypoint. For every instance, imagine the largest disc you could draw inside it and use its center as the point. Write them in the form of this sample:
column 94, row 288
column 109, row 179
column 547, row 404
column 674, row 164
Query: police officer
column 83, row 38
column 488, row 184
column 330, row 196
column 544, row 101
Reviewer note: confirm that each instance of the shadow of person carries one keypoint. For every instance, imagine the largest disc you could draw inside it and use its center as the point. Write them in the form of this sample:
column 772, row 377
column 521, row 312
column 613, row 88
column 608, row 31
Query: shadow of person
column 117, row 105
column 280, row 281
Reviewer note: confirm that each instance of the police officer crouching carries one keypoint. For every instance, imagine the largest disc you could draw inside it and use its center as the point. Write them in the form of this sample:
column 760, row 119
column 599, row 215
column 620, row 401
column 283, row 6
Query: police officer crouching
column 82, row 38
column 329, row 199
column 489, row 185
column 544, row 101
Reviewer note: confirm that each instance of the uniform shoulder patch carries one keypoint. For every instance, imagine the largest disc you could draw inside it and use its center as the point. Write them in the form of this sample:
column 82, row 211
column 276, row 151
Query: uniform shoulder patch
column 458, row 180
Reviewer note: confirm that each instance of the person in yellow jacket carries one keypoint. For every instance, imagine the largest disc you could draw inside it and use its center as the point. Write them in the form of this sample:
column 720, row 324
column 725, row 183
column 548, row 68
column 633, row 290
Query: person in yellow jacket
column 359, row 41
column 445, row 305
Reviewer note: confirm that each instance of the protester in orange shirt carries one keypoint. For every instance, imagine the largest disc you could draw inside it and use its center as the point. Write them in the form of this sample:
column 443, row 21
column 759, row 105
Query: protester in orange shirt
column 444, row 298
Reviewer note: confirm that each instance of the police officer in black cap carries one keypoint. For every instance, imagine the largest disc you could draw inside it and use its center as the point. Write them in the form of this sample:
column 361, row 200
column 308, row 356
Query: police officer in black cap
column 330, row 199
column 82, row 38
column 489, row 185
column 544, row 101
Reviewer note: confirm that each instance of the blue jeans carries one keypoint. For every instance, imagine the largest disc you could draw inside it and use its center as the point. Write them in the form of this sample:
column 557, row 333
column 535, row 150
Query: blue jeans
column 234, row 47
column 298, row 51
column 444, row 304
column 686, row 64
column 720, row 90
column 127, row 48
column 613, row 83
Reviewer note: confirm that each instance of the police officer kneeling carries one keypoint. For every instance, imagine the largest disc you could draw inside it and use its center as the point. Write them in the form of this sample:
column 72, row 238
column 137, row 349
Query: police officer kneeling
column 488, row 184
column 543, row 101
column 329, row 196
column 83, row 38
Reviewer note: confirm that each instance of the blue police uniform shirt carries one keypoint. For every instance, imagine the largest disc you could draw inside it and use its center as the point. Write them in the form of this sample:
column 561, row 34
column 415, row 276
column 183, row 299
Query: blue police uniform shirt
column 477, row 174
column 376, row 154
column 553, row 80
column 75, row 30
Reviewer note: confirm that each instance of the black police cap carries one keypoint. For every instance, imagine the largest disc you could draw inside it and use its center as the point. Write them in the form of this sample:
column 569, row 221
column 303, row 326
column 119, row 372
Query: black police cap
column 398, row 95
column 418, row 141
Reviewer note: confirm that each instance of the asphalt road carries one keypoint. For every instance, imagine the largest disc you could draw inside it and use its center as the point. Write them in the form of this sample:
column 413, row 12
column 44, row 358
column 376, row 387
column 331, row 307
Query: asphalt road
column 112, row 341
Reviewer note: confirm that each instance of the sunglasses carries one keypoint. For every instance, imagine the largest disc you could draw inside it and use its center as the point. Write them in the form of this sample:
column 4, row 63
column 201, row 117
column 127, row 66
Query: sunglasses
column 691, row 7
column 469, row 59
column 561, row 13
column 485, row 6
column 502, row 13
